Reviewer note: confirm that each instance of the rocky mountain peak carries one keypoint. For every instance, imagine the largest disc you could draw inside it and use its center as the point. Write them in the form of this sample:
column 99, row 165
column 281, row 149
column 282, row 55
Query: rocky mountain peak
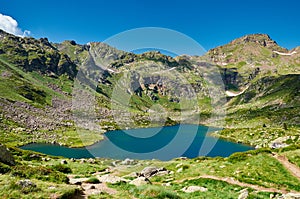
column 263, row 40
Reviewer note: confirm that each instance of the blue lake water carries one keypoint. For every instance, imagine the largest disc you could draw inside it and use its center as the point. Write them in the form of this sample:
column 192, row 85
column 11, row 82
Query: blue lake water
column 162, row 143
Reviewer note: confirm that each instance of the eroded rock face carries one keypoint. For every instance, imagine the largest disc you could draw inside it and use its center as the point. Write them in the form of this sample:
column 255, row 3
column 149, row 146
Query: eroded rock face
column 6, row 157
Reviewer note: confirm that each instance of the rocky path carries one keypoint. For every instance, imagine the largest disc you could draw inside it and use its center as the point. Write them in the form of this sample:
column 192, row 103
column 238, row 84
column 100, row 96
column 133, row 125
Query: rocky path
column 242, row 184
column 293, row 169
column 91, row 189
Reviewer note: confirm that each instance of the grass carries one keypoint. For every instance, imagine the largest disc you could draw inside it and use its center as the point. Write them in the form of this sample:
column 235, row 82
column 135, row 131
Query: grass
column 40, row 173
column 26, row 79
column 9, row 189
column 293, row 156
column 259, row 136
column 216, row 189
column 254, row 167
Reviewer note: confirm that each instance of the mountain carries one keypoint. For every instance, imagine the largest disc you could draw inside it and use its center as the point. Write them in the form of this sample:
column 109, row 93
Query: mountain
column 261, row 81
column 247, row 56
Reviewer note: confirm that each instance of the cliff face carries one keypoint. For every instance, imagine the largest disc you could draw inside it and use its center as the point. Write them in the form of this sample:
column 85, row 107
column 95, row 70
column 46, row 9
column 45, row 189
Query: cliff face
column 36, row 55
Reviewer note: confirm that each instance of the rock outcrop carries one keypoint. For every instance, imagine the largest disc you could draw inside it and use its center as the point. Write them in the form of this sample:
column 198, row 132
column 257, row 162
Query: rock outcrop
column 6, row 157
column 140, row 181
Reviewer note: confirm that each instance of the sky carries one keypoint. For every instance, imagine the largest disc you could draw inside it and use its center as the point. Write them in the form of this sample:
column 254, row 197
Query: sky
column 210, row 23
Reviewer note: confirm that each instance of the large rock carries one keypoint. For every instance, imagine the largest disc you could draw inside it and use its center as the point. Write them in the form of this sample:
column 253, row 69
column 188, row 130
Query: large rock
column 192, row 189
column 77, row 181
column 291, row 196
column 140, row 181
column 6, row 157
column 152, row 171
column 128, row 161
column 63, row 162
column 111, row 179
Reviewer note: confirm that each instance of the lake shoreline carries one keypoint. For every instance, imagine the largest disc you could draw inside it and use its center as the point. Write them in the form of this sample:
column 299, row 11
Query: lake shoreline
column 120, row 145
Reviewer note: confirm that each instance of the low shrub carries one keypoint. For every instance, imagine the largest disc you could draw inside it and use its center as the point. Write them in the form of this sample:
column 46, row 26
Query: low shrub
column 93, row 180
column 237, row 157
column 4, row 168
column 62, row 168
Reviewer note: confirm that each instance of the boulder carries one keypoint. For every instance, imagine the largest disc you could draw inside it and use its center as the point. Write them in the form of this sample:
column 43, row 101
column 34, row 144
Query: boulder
column 91, row 161
column 291, row 196
column 140, row 181
column 111, row 179
column 180, row 170
column 6, row 157
column 77, row 181
column 178, row 165
column 152, row 171
column 192, row 189
column 64, row 162
column 128, row 161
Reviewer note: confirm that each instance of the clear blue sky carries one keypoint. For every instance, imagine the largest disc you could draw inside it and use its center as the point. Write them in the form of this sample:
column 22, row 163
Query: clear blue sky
column 211, row 23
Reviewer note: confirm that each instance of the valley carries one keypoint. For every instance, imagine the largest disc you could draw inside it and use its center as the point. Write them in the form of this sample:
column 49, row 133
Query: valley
column 70, row 94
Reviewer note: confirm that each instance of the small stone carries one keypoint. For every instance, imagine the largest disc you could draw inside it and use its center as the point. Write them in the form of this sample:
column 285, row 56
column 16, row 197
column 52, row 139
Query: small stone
column 178, row 165
column 180, row 170
column 243, row 194
column 128, row 161
column 168, row 184
column 92, row 187
column 26, row 183
column 64, row 162
column 91, row 161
